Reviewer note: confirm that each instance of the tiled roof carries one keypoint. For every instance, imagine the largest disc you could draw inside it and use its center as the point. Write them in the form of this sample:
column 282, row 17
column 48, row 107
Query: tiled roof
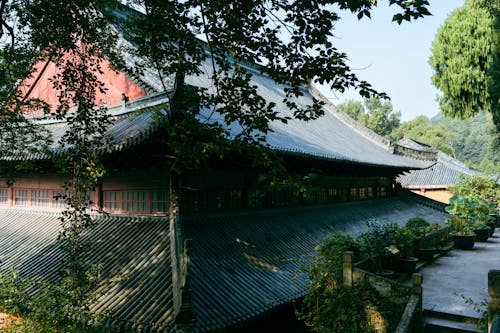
column 447, row 170
column 334, row 136
column 136, row 287
column 414, row 144
column 244, row 265
column 129, row 126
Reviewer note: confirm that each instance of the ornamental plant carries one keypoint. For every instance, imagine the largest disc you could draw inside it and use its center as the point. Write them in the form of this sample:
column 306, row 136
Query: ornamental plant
column 466, row 214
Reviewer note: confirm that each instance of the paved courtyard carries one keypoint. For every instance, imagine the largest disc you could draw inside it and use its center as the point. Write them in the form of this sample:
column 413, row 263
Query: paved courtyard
column 461, row 274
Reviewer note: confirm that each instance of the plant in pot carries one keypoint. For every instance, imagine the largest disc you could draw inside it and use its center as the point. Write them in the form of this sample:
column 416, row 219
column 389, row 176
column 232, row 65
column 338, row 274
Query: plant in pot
column 376, row 245
column 462, row 211
column 404, row 238
column 425, row 246
column 480, row 217
column 481, row 230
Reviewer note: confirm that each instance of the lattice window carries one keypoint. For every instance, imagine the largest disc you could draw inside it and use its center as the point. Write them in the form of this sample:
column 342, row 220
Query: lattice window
column 40, row 198
column 136, row 201
column 111, row 200
column 159, row 202
column 58, row 200
column 4, row 196
column 21, row 197
column 256, row 198
column 382, row 191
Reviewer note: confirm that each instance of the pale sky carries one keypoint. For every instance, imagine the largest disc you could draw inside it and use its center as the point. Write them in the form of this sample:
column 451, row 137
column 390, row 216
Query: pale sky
column 393, row 58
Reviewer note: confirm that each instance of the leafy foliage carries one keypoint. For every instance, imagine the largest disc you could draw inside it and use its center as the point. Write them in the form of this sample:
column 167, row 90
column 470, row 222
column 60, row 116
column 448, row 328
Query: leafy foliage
column 73, row 41
column 375, row 114
column 329, row 306
column 466, row 212
column 478, row 187
column 423, row 130
column 465, row 58
column 291, row 41
column 474, row 140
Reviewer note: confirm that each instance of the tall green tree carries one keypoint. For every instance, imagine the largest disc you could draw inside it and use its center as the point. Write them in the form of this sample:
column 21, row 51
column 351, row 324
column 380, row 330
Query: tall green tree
column 466, row 60
column 474, row 139
column 423, row 130
column 374, row 113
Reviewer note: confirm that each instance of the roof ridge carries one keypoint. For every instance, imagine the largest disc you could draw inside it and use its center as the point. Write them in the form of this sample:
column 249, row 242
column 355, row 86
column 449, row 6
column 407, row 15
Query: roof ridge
column 453, row 162
column 114, row 111
column 349, row 121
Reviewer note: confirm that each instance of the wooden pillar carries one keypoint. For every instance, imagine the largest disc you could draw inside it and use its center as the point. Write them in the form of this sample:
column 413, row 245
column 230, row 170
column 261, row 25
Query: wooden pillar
column 347, row 268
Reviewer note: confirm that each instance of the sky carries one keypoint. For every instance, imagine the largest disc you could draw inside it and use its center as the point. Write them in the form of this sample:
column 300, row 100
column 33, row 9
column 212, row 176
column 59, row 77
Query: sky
column 393, row 58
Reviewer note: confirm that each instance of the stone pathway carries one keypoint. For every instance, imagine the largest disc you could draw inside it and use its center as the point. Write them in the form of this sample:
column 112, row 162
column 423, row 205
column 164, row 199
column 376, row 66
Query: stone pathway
column 461, row 274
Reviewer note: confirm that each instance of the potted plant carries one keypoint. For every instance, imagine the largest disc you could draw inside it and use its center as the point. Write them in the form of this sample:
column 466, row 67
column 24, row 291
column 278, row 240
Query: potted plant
column 462, row 211
column 404, row 239
column 376, row 245
column 480, row 216
column 481, row 230
column 425, row 247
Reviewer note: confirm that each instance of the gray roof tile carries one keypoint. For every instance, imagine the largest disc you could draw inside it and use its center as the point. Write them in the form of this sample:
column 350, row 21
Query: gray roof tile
column 136, row 286
column 446, row 171
column 242, row 265
column 246, row 264
column 334, row 136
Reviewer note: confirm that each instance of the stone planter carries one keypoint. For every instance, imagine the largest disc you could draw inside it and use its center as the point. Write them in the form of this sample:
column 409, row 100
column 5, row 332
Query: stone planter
column 386, row 273
column 426, row 254
column 482, row 234
column 407, row 265
column 463, row 242
column 492, row 226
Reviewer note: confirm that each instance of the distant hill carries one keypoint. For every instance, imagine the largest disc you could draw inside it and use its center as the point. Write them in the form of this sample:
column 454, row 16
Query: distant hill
column 474, row 140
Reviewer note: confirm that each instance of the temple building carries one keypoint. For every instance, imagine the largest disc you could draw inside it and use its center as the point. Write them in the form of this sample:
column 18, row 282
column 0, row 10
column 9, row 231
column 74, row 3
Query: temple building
column 214, row 250
column 431, row 182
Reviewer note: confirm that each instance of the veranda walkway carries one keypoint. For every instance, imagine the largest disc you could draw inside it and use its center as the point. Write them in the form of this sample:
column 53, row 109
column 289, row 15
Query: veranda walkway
column 461, row 274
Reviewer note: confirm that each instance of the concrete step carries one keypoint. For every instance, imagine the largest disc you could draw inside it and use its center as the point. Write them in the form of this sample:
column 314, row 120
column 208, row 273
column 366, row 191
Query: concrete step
column 439, row 322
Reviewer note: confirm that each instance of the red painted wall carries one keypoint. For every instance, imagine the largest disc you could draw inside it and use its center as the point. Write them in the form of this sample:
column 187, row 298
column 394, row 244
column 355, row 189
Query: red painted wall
column 115, row 83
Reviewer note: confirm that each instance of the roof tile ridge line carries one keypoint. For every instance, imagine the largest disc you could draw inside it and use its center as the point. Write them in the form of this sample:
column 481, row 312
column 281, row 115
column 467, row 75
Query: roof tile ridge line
column 443, row 157
column 29, row 211
column 350, row 122
column 149, row 101
column 140, row 104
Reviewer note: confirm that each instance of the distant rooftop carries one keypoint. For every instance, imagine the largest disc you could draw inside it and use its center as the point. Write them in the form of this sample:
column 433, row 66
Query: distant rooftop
column 445, row 172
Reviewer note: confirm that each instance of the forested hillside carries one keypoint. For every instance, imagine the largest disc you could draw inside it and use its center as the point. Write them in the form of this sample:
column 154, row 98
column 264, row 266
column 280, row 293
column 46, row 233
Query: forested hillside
column 473, row 141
